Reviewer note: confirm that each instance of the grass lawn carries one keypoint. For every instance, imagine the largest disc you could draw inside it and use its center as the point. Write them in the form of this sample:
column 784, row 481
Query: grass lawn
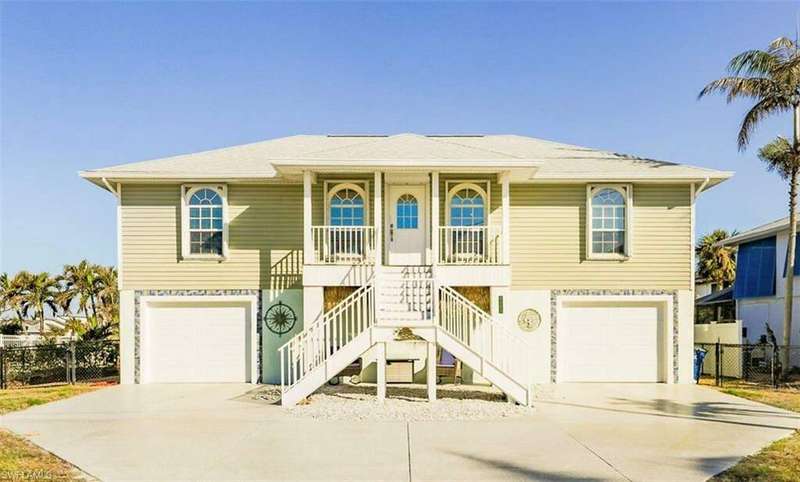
column 22, row 460
column 779, row 461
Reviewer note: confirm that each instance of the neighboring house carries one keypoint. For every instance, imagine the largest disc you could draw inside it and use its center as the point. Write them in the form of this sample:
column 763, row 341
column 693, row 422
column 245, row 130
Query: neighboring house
column 704, row 287
column 760, row 286
column 715, row 307
column 324, row 246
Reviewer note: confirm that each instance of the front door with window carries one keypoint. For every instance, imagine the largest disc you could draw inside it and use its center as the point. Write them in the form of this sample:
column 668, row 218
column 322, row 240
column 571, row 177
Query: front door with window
column 406, row 225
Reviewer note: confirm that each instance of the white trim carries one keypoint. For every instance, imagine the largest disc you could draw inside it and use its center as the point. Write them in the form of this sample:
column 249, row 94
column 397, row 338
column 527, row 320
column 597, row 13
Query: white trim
column 187, row 190
column 332, row 187
column 435, row 207
column 308, row 239
column 506, row 223
column 667, row 329
column 693, row 261
column 119, row 237
column 377, row 222
column 626, row 190
column 145, row 306
column 459, row 185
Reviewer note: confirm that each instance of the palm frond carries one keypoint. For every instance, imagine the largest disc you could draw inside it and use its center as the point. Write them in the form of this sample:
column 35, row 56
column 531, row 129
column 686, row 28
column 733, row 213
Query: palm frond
column 735, row 87
column 782, row 47
column 753, row 62
column 780, row 156
column 762, row 109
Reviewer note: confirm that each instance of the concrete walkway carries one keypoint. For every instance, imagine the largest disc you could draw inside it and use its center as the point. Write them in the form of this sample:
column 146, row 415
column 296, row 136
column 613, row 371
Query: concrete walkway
column 587, row 432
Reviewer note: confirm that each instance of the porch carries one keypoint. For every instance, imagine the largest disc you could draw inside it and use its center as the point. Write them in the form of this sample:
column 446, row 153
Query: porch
column 356, row 223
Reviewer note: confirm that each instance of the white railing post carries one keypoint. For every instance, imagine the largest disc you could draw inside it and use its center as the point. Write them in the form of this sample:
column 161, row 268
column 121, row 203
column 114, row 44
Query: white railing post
column 505, row 234
column 435, row 244
column 308, row 244
column 378, row 224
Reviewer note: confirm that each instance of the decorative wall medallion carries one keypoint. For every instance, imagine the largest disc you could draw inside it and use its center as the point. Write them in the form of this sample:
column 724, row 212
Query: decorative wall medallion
column 280, row 318
column 529, row 320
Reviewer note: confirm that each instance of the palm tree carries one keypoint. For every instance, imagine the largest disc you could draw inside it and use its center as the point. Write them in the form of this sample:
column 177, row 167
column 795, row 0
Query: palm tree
column 12, row 291
column 107, row 293
column 771, row 78
column 716, row 263
column 41, row 292
column 80, row 284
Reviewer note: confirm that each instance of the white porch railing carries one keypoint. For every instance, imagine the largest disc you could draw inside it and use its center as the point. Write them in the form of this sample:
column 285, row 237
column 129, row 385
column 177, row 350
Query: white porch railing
column 470, row 245
column 493, row 341
column 312, row 347
column 343, row 244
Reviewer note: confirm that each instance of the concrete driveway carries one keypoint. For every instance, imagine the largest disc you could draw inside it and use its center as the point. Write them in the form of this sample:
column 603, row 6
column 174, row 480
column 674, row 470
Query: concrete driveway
column 587, row 431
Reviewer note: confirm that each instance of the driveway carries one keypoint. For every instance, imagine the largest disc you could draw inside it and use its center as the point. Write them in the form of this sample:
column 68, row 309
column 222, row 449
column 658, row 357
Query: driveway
column 581, row 431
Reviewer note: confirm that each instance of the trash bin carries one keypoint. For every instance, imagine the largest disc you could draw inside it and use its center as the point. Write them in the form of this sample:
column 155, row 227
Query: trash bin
column 699, row 356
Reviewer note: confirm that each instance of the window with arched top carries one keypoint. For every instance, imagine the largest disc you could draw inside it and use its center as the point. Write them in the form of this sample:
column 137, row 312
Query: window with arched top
column 467, row 206
column 204, row 227
column 608, row 233
column 347, row 206
column 407, row 214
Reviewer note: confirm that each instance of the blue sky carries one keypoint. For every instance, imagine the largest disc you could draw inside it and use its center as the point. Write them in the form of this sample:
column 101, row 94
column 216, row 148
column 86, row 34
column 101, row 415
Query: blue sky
column 87, row 85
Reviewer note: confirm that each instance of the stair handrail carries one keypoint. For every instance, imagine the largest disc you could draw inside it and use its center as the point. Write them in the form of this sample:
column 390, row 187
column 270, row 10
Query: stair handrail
column 514, row 361
column 313, row 346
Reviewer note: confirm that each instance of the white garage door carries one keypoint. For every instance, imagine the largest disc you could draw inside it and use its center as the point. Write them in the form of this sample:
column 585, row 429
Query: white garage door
column 196, row 343
column 610, row 344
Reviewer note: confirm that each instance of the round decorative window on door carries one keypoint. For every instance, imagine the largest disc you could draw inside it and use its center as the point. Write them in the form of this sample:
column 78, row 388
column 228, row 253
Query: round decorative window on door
column 407, row 212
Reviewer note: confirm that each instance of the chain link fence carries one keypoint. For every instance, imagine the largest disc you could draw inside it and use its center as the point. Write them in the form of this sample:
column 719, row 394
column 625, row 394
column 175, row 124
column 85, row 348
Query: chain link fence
column 757, row 364
column 50, row 363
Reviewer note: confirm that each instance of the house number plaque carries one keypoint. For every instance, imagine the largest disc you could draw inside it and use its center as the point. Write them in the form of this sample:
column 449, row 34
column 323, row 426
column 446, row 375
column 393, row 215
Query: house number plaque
column 529, row 320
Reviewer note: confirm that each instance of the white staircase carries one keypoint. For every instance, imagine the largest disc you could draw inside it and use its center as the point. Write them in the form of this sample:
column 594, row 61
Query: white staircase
column 405, row 297
column 486, row 345
column 324, row 349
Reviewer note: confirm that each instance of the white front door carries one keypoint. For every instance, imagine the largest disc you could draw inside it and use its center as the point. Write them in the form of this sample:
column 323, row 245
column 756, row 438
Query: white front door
column 406, row 228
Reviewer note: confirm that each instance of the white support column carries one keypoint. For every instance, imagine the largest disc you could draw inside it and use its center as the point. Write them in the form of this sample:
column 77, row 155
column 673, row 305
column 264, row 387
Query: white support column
column 432, row 371
column 506, row 234
column 380, row 351
column 308, row 240
column 435, row 243
column 378, row 220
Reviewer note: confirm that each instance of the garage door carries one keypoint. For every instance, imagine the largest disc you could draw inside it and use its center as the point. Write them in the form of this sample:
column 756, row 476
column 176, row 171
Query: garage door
column 196, row 343
column 610, row 344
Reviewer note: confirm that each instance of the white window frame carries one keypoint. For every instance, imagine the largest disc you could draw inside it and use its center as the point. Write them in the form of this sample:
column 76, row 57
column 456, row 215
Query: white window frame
column 187, row 190
column 627, row 193
column 361, row 187
column 451, row 191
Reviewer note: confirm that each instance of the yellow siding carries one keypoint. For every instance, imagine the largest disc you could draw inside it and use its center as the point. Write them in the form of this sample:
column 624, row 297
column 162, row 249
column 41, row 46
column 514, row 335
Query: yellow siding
column 265, row 240
column 548, row 240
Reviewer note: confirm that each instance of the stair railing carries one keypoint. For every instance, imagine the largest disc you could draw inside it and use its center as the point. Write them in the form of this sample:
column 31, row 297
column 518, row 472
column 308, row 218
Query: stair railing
column 313, row 346
column 490, row 339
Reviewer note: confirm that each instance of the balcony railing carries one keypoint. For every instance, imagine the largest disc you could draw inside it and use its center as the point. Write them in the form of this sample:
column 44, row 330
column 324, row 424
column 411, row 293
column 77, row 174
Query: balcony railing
column 343, row 244
column 470, row 245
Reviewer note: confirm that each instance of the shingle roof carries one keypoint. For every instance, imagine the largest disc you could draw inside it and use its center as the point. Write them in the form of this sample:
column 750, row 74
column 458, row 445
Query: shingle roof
column 552, row 161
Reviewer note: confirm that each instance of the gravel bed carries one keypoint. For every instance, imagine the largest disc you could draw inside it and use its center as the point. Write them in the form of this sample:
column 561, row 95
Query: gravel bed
column 403, row 403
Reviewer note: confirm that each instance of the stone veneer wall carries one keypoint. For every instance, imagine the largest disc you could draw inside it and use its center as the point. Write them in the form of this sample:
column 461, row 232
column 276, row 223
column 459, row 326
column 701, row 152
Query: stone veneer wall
column 137, row 319
column 554, row 294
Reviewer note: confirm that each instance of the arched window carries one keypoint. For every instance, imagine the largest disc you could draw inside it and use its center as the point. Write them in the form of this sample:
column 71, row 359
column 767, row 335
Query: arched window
column 347, row 206
column 609, row 221
column 407, row 212
column 467, row 206
column 205, row 222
